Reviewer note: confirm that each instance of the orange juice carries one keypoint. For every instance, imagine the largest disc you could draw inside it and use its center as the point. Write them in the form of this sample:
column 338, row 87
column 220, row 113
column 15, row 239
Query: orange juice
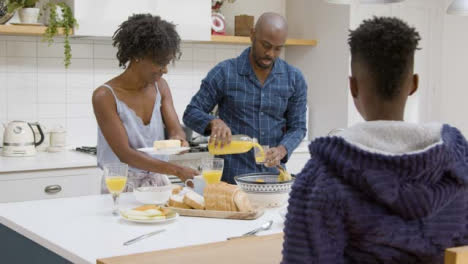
column 260, row 159
column 116, row 184
column 235, row 147
column 212, row 176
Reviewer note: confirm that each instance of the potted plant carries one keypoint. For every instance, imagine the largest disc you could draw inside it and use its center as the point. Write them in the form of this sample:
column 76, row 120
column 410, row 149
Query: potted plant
column 28, row 12
column 60, row 15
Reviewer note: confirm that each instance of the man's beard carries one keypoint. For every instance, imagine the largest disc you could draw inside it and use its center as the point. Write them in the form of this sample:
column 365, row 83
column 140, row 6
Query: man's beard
column 257, row 60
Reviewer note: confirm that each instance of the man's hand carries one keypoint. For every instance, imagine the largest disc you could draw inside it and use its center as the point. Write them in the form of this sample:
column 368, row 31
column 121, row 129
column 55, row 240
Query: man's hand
column 220, row 133
column 274, row 156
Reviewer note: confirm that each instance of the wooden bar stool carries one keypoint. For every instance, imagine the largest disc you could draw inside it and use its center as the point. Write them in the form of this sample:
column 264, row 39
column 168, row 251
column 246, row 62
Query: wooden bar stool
column 456, row 255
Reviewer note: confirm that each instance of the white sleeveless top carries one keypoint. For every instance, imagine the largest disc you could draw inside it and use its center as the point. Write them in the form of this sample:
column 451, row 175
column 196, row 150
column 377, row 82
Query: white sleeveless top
column 139, row 136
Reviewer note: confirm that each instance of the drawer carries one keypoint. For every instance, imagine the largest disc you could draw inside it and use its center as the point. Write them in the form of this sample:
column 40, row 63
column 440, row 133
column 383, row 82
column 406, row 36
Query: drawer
column 50, row 187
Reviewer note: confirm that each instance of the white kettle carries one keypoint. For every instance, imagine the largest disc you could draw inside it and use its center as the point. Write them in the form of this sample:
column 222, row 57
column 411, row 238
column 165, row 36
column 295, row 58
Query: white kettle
column 20, row 140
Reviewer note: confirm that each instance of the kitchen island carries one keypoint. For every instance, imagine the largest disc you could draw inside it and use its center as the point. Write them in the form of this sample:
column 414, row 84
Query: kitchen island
column 82, row 229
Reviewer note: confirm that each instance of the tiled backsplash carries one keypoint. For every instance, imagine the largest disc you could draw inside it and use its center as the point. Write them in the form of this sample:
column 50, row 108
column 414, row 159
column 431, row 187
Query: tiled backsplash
column 35, row 86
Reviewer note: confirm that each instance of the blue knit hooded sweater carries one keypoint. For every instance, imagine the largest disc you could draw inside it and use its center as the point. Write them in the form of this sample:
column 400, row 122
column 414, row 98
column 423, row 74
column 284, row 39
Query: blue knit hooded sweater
column 386, row 192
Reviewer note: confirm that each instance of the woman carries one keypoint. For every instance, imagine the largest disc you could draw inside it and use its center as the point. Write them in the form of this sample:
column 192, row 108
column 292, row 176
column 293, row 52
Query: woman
column 133, row 108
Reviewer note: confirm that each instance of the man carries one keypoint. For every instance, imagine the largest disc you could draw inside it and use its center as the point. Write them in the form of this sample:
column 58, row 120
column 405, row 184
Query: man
column 382, row 191
column 258, row 95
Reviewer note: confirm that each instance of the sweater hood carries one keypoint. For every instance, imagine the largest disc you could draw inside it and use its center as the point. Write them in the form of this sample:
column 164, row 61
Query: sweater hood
column 413, row 170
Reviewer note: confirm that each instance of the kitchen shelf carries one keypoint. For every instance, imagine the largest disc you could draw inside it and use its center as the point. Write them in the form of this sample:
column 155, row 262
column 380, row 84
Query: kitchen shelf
column 24, row 30
column 215, row 39
column 219, row 39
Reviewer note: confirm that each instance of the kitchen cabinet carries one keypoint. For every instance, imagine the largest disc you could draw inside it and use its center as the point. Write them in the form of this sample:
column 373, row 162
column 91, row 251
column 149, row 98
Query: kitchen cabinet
column 48, row 175
column 102, row 18
column 48, row 184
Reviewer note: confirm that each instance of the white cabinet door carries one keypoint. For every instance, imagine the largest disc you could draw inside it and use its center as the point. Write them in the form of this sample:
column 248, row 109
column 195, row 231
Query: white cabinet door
column 102, row 18
column 15, row 187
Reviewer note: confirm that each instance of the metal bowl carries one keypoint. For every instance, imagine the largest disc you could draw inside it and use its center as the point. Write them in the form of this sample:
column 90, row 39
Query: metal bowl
column 264, row 189
column 263, row 183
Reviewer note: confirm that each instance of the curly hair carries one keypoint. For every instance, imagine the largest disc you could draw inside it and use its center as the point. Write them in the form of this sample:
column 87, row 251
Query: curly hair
column 145, row 35
column 386, row 45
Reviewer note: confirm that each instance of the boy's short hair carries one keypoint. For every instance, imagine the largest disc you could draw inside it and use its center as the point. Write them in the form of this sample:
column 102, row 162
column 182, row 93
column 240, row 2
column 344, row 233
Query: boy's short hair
column 386, row 46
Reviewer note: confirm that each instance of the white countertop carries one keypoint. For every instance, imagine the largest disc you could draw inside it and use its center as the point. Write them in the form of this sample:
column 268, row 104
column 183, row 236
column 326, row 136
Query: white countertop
column 82, row 229
column 47, row 161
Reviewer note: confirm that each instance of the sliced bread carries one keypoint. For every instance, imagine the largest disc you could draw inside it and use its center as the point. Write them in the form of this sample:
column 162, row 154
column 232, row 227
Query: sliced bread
column 194, row 200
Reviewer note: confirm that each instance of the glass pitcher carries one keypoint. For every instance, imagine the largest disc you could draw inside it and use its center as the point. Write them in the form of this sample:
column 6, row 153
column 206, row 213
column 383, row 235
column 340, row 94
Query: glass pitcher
column 239, row 144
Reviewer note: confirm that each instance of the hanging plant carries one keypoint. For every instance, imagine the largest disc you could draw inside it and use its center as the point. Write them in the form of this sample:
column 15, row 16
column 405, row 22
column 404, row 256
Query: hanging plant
column 67, row 21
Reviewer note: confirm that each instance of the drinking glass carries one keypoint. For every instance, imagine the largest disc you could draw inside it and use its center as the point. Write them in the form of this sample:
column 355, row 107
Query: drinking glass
column 212, row 170
column 115, row 175
column 259, row 156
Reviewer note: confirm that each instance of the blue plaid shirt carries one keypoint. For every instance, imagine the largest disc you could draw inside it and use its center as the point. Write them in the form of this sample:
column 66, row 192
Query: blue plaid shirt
column 274, row 113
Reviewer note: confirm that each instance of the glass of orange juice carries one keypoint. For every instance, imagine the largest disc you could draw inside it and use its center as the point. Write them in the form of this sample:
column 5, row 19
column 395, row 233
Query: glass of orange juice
column 115, row 175
column 260, row 154
column 212, row 170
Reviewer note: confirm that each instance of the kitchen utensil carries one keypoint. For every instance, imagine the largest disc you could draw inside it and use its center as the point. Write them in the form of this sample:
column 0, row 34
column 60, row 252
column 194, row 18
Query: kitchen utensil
column 220, row 214
column 264, row 189
column 198, row 184
column 149, row 221
column 166, row 151
column 19, row 139
column 58, row 139
column 212, row 169
column 136, row 239
column 265, row 226
column 153, row 194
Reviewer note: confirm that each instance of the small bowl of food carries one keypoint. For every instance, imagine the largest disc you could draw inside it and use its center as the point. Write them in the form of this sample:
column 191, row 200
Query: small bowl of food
column 265, row 189
column 153, row 194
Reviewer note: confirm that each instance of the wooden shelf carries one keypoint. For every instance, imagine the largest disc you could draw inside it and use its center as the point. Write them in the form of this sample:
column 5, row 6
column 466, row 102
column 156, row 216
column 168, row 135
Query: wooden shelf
column 246, row 40
column 215, row 39
column 24, row 30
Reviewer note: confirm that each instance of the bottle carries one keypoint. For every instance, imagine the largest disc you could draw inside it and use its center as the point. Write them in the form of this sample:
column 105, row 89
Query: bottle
column 239, row 144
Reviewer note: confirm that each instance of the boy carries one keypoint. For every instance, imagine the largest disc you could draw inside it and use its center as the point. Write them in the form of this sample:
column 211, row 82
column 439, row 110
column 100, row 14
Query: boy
column 383, row 191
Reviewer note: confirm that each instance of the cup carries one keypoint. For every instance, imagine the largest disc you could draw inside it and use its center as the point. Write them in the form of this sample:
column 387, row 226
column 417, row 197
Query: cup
column 198, row 184
column 115, row 175
column 259, row 156
column 212, row 170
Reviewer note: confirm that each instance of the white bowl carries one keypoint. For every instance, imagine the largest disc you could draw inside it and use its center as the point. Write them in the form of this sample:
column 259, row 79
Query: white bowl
column 264, row 189
column 153, row 194
column 268, row 200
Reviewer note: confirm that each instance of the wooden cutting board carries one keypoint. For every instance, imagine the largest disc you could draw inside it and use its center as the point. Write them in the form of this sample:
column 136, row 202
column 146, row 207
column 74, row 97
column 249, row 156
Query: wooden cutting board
column 255, row 250
column 220, row 214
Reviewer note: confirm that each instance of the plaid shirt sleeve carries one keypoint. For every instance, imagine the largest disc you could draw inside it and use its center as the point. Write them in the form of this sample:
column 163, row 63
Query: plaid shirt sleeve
column 295, row 117
column 196, row 115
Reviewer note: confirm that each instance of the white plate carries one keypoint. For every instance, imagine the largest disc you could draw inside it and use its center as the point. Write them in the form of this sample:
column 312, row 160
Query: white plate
column 27, row 24
column 166, row 151
column 152, row 221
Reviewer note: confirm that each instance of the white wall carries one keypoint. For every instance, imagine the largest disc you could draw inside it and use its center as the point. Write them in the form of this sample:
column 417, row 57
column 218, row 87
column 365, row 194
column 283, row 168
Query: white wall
column 34, row 85
column 426, row 17
column 324, row 66
column 454, row 107
column 252, row 8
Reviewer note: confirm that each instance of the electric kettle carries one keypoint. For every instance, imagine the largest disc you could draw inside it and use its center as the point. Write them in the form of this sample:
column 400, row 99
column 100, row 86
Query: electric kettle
column 20, row 140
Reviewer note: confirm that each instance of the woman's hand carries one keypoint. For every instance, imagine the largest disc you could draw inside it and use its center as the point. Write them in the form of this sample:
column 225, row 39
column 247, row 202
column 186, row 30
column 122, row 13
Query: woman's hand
column 185, row 173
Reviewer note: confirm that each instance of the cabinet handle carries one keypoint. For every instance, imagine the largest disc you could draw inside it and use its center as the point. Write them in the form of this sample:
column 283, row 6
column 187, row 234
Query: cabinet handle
column 51, row 189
